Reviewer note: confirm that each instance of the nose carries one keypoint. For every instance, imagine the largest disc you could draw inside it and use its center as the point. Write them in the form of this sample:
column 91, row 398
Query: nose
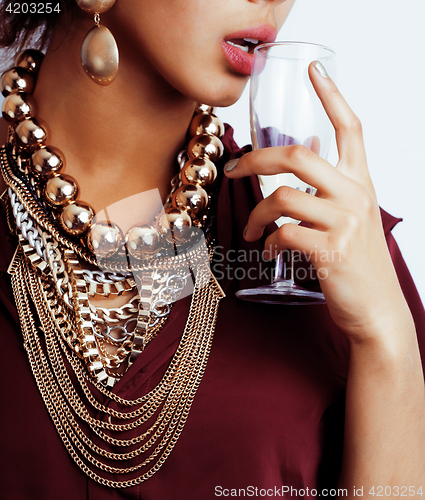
column 278, row 10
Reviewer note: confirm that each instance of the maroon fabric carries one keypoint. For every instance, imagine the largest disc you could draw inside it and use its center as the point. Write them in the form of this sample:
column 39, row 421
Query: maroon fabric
column 268, row 413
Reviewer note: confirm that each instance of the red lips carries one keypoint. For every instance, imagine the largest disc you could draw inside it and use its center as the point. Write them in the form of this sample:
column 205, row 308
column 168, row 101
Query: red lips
column 238, row 47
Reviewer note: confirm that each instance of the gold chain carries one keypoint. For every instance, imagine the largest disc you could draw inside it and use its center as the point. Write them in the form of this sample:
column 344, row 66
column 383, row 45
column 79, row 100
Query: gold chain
column 61, row 335
column 171, row 399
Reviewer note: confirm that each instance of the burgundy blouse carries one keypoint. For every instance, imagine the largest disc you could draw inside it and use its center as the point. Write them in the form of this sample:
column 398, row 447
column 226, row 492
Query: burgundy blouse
column 269, row 412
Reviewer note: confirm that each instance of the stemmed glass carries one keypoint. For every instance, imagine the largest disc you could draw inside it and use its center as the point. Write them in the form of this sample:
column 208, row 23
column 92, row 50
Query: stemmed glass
column 285, row 110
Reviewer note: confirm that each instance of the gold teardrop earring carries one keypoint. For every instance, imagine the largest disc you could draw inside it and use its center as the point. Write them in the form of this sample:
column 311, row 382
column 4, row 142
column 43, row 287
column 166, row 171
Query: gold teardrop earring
column 99, row 51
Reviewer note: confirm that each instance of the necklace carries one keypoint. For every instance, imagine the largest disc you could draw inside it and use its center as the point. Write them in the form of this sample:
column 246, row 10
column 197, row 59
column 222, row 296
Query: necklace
column 185, row 205
column 55, row 270
column 57, row 192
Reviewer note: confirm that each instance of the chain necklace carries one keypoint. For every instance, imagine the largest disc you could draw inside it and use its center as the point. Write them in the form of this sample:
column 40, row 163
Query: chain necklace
column 55, row 270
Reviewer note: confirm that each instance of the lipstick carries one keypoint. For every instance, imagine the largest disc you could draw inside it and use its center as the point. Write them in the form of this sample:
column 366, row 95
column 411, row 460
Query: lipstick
column 239, row 47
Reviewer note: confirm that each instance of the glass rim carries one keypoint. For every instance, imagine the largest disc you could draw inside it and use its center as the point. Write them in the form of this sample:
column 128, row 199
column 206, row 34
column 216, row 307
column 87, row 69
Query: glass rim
column 258, row 49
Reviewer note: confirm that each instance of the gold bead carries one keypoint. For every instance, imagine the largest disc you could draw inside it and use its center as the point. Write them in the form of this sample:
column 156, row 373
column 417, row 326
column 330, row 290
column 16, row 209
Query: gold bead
column 30, row 134
column 199, row 171
column 205, row 145
column 30, row 60
column 93, row 6
column 105, row 239
column 99, row 55
column 204, row 123
column 60, row 190
column 142, row 241
column 76, row 218
column 204, row 108
column 16, row 80
column 46, row 162
column 17, row 107
column 175, row 225
column 190, row 198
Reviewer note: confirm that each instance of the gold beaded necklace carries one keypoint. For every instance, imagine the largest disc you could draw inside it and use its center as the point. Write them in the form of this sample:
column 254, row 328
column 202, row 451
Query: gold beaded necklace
column 186, row 205
column 57, row 233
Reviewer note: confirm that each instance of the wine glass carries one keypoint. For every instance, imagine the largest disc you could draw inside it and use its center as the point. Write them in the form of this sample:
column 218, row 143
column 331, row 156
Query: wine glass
column 285, row 110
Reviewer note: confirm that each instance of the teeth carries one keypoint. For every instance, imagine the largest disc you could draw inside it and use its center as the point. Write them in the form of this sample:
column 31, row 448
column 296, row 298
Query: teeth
column 243, row 47
column 252, row 40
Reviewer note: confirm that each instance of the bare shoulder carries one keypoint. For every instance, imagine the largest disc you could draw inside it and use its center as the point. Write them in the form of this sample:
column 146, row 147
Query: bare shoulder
column 3, row 138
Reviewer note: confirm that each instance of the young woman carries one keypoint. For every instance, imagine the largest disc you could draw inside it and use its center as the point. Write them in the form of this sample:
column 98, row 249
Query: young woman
column 285, row 400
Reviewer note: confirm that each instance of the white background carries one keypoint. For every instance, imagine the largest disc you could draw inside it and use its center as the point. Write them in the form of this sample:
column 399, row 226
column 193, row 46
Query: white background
column 380, row 59
column 380, row 56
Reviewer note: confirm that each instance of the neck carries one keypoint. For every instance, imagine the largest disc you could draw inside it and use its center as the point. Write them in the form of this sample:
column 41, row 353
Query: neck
column 118, row 140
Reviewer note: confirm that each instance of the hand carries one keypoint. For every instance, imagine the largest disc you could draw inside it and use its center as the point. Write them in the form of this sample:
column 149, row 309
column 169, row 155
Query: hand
column 345, row 241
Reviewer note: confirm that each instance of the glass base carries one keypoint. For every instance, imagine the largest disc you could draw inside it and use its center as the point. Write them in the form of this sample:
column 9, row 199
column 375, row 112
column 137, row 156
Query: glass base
column 281, row 292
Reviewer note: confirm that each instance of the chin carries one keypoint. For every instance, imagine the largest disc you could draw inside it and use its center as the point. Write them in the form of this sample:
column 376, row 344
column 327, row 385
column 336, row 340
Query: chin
column 222, row 94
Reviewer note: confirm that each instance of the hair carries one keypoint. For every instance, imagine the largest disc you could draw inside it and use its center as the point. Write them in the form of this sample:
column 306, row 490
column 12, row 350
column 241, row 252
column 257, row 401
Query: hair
column 17, row 29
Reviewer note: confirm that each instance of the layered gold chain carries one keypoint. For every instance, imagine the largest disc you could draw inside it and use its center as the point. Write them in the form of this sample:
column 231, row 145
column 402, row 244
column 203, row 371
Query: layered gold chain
column 163, row 410
column 61, row 334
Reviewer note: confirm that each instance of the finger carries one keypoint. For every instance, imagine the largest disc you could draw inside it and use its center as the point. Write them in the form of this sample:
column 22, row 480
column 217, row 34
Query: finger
column 299, row 160
column 286, row 201
column 294, row 237
column 313, row 143
column 347, row 126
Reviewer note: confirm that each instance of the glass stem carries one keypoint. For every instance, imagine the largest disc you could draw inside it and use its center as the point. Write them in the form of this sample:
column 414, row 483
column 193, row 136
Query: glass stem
column 284, row 266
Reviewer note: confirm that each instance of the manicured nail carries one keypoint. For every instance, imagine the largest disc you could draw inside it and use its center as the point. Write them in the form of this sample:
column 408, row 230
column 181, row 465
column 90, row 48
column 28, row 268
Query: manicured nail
column 321, row 69
column 230, row 165
column 245, row 231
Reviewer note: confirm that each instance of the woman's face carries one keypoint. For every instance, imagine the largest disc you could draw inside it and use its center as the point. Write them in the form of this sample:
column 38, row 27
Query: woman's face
column 185, row 43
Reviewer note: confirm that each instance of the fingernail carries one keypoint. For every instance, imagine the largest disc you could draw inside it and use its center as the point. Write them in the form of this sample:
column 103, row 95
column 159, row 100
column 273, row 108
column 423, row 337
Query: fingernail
column 245, row 231
column 321, row 69
column 230, row 165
